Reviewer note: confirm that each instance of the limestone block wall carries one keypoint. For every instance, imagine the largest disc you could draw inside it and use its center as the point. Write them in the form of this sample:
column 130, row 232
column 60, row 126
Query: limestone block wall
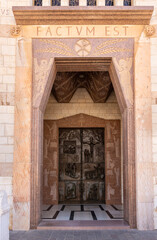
column 7, row 85
column 153, row 42
column 7, row 92
column 81, row 102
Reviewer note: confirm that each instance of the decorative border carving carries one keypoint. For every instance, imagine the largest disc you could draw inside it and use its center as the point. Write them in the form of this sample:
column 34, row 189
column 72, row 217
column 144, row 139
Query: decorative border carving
column 149, row 30
column 15, row 31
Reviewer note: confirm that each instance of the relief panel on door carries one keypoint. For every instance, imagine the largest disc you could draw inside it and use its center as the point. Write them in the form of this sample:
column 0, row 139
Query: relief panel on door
column 81, row 165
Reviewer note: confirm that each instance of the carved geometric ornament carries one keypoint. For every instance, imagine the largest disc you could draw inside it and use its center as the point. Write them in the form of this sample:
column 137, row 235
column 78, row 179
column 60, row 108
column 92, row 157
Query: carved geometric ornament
column 149, row 30
column 83, row 47
column 15, row 31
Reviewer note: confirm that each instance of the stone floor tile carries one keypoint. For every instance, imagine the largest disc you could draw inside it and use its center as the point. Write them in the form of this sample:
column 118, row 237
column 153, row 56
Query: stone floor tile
column 15, row 235
column 82, row 212
column 83, row 235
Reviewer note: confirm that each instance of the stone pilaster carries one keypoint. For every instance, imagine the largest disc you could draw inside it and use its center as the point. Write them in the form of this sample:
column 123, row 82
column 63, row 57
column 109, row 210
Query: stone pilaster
column 22, row 147
column 143, row 135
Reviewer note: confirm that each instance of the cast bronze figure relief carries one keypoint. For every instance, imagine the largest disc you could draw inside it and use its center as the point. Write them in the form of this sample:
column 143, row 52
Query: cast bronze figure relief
column 81, row 165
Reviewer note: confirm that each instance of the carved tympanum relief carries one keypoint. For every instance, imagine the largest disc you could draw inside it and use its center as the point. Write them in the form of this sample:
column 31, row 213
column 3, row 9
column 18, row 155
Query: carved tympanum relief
column 84, row 47
column 121, row 50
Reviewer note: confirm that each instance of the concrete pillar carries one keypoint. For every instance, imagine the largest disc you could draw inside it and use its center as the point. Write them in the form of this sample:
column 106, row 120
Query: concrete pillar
column 4, row 216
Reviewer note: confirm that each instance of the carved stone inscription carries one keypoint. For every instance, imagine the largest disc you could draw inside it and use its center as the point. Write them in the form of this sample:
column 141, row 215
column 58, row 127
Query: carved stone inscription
column 81, row 31
column 5, row 12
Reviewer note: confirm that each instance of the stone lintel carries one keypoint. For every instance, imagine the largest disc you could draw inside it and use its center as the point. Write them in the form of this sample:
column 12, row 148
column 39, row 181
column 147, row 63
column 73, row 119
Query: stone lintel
column 83, row 15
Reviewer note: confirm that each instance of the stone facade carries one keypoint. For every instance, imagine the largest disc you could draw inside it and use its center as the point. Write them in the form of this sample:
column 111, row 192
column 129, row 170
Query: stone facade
column 16, row 57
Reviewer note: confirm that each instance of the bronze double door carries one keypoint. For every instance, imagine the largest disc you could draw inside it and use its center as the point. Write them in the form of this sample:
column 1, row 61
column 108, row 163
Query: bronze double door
column 81, row 165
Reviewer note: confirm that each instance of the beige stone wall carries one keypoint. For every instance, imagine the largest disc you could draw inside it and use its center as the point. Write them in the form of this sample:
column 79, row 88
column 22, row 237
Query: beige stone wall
column 153, row 42
column 148, row 3
column 7, row 92
column 81, row 102
column 154, row 131
column 7, row 88
column 6, row 14
column 154, row 120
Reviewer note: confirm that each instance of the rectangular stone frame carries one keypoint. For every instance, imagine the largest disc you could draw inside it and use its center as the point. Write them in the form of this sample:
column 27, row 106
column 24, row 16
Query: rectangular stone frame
column 37, row 136
column 51, row 160
column 29, row 109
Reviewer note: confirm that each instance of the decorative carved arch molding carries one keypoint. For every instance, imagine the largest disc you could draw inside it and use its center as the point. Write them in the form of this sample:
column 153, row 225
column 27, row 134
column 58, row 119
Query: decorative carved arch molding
column 113, row 55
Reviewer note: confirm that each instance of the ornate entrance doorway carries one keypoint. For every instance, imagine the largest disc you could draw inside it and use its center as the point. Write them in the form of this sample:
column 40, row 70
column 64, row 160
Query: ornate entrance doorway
column 81, row 165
